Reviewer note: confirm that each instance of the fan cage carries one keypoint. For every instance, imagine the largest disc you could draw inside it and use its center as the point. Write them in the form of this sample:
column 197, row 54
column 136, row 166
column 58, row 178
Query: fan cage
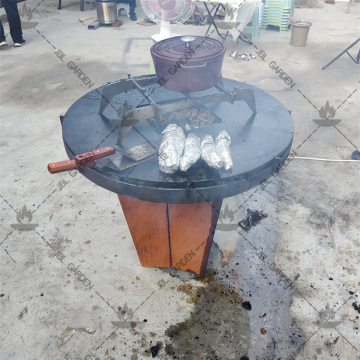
column 182, row 11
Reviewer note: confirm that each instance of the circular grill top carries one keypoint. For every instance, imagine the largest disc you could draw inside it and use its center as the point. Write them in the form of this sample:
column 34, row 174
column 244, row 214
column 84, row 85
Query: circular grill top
column 259, row 144
column 202, row 48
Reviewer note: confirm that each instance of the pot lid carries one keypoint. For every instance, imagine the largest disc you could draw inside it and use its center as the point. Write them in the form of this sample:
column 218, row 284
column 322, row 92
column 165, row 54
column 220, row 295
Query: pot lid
column 199, row 47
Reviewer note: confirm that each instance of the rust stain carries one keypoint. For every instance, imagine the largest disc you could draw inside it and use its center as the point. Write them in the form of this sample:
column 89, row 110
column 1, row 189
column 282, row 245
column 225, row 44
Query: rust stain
column 214, row 287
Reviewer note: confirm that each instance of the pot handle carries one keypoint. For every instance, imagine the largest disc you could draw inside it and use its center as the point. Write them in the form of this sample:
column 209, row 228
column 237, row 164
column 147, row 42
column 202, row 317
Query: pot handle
column 187, row 40
column 194, row 67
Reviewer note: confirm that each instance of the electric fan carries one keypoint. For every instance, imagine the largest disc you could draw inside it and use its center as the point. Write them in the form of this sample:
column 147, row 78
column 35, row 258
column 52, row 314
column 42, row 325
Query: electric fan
column 167, row 13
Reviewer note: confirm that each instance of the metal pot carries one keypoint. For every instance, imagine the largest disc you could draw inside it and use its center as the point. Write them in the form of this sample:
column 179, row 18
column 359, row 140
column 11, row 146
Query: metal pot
column 187, row 63
column 106, row 11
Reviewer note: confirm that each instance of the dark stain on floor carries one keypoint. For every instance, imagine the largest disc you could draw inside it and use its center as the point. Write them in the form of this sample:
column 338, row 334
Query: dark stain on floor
column 218, row 327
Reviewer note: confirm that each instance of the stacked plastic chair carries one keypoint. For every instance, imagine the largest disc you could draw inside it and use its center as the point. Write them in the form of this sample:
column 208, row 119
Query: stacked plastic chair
column 276, row 13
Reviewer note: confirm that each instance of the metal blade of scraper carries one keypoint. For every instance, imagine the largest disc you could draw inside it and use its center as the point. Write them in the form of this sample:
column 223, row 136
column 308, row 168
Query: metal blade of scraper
column 128, row 163
column 138, row 154
column 142, row 151
column 248, row 96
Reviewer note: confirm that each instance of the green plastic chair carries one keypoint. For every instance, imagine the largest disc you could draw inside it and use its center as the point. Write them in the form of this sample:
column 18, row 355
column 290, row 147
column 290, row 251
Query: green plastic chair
column 284, row 4
column 276, row 13
column 254, row 27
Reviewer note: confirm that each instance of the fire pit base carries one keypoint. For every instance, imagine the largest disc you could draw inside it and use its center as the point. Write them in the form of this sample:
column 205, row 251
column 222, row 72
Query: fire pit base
column 172, row 235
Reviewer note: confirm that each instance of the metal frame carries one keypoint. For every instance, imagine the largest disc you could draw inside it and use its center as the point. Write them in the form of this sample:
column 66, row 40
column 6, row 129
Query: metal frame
column 82, row 4
column 356, row 61
column 213, row 23
column 212, row 17
column 133, row 116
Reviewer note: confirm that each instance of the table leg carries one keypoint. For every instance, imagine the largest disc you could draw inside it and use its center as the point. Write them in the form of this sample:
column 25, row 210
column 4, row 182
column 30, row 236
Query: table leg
column 343, row 52
column 212, row 18
column 172, row 235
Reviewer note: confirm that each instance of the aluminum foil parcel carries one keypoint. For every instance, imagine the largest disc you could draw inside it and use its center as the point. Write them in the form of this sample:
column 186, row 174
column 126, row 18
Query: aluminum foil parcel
column 192, row 152
column 222, row 144
column 209, row 154
column 171, row 148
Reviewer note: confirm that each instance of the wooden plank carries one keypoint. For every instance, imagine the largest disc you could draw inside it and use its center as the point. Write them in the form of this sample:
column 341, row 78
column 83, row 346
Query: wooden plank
column 192, row 228
column 148, row 225
column 117, row 23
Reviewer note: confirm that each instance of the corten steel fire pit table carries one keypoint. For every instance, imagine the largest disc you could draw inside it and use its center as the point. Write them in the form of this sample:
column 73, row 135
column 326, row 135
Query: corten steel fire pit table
column 172, row 218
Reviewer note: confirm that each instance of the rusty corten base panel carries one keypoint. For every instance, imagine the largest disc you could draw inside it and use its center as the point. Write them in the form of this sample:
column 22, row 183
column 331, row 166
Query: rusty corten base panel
column 172, row 235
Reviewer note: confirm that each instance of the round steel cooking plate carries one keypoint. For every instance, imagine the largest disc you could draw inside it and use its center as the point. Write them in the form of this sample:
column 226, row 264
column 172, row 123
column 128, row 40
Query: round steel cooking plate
column 203, row 48
column 259, row 144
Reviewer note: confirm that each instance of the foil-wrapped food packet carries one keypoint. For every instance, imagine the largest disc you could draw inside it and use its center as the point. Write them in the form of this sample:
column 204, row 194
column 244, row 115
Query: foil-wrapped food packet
column 192, row 152
column 171, row 148
column 209, row 154
column 222, row 144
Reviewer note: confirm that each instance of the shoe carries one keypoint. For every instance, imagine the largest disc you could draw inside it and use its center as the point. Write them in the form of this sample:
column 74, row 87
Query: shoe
column 19, row 44
column 133, row 17
column 3, row 44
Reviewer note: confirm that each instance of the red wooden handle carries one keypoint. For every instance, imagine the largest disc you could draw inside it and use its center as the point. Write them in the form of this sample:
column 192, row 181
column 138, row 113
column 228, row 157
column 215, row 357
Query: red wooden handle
column 61, row 166
column 82, row 160
column 95, row 154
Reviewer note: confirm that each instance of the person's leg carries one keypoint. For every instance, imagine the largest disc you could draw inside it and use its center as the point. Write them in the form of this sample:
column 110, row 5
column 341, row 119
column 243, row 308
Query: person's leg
column 2, row 35
column 12, row 14
column 132, row 6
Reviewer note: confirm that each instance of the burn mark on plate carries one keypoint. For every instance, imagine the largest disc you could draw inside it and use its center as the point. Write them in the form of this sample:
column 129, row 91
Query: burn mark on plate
column 189, row 119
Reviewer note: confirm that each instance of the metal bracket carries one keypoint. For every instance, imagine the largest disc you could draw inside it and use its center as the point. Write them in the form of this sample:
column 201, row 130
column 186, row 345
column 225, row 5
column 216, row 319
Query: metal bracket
column 129, row 116
column 134, row 116
column 123, row 85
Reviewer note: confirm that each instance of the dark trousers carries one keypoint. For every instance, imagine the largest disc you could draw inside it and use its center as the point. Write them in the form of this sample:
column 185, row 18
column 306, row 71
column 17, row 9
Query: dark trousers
column 132, row 5
column 13, row 17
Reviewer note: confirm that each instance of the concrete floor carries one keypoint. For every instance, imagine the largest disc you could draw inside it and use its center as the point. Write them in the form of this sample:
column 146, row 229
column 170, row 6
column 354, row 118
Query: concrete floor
column 298, row 268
